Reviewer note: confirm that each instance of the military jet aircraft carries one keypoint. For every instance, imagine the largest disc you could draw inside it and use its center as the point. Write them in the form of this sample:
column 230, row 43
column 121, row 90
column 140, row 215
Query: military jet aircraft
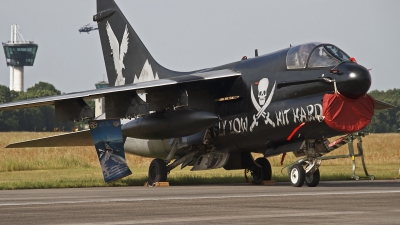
column 291, row 100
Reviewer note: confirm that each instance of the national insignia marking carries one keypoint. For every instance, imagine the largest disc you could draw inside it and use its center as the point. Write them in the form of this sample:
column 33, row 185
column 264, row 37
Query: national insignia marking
column 92, row 125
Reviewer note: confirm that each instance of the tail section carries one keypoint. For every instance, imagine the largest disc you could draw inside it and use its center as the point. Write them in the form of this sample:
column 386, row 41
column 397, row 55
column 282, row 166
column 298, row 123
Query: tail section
column 127, row 59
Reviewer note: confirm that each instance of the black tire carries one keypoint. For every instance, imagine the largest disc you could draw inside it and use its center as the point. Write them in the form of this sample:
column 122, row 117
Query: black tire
column 157, row 171
column 263, row 173
column 266, row 168
column 297, row 175
column 312, row 180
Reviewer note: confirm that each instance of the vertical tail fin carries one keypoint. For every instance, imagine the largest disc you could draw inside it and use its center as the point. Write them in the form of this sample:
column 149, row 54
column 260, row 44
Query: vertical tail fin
column 126, row 58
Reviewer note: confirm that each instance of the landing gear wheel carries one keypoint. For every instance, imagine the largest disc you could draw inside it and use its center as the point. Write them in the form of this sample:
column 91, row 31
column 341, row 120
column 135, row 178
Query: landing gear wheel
column 297, row 175
column 263, row 173
column 266, row 168
column 157, row 171
column 312, row 180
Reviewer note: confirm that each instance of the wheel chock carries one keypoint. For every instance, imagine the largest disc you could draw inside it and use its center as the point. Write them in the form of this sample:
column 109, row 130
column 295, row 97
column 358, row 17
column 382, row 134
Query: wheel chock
column 266, row 182
column 157, row 184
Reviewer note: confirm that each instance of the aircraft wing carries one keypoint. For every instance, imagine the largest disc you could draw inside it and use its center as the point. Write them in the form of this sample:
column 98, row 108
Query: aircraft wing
column 80, row 138
column 381, row 105
column 70, row 105
column 65, row 104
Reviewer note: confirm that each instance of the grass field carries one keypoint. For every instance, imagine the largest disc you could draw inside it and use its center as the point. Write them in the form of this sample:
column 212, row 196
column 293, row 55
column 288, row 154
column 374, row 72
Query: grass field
column 79, row 166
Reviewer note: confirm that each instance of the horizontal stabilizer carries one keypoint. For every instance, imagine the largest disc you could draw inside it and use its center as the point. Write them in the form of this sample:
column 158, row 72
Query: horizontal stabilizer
column 381, row 105
column 80, row 138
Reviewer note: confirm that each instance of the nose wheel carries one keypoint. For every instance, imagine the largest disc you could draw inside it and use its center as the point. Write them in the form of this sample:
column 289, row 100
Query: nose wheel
column 312, row 180
column 297, row 175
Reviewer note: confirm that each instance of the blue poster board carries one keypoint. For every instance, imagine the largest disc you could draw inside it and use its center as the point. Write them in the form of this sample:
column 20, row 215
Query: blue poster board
column 107, row 138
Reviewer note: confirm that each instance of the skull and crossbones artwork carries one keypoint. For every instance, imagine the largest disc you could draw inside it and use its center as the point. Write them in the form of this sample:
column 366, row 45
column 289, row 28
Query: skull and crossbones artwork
column 263, row 103
column 262, row 90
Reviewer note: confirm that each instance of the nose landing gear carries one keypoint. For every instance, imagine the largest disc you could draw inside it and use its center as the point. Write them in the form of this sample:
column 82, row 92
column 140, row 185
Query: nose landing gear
column 312, row 180
column 311, row 174
column 298, row 176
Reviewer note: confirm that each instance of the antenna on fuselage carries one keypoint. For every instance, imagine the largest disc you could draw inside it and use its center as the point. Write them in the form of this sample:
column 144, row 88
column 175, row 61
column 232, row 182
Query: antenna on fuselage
column 256, row 52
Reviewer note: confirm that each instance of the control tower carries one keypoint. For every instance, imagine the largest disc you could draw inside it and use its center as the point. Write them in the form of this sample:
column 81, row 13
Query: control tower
column 19, row 53
column 100, row 103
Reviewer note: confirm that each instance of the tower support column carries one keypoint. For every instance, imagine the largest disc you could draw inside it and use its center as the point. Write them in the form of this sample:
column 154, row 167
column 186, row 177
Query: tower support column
column 18, row 84
column 11, row 78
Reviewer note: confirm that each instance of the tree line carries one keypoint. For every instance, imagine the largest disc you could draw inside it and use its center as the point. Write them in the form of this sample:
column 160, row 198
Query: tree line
column 31, row 119
column 385, row 121
column 42, row 118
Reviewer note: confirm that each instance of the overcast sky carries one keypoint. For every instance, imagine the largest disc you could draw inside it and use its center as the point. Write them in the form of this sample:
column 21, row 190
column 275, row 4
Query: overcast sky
column 187, row 35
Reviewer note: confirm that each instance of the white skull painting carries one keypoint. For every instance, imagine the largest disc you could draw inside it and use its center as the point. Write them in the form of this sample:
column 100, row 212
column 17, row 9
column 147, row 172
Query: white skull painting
column 263, row 103
column 262, row 90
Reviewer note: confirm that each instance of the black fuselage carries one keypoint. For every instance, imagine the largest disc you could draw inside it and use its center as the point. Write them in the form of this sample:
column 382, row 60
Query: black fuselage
column 239, row 127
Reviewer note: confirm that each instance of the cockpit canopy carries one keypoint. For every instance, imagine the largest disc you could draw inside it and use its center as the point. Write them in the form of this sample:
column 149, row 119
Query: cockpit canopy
column 314, row 55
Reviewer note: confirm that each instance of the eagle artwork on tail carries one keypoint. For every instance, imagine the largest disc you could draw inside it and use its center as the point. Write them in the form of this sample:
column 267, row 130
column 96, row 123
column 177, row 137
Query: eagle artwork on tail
column 118, row 52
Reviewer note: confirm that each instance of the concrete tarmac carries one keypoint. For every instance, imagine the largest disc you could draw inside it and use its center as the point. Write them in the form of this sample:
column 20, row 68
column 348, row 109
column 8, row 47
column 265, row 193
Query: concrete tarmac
column 345, row 202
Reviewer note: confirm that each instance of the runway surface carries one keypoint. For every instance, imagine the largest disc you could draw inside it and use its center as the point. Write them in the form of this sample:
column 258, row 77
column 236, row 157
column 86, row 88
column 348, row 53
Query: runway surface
column 349, row 202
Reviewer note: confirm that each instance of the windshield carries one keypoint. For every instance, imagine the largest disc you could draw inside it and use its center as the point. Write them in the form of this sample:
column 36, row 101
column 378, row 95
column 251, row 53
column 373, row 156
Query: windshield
column 316, row 54
column 326, row 56
column 335, row 51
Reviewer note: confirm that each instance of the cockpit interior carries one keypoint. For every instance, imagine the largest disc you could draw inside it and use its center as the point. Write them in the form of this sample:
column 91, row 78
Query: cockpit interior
column 314, row 55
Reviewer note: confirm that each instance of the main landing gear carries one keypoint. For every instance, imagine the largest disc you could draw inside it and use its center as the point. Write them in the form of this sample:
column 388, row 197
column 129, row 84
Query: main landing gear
column 261, row 172
column 157, row 171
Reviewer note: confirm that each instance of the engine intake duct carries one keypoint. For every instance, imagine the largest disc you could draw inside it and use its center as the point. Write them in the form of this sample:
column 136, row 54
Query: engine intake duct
column 170, row 124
